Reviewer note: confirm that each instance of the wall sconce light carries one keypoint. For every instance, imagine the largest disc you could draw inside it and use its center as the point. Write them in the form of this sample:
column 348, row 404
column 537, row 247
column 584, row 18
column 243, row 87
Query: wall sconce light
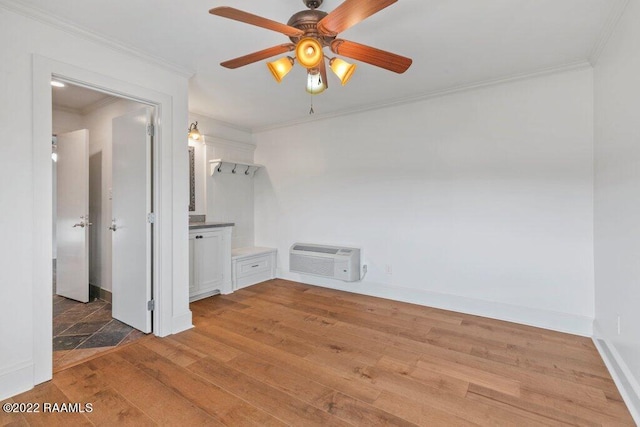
column 342, row 69
column 280, row 68
column 194, row 133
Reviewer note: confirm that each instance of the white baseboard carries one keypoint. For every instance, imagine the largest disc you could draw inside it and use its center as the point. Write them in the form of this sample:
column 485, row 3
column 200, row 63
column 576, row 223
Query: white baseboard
column 552, row 320
column 181, row 322
column 16, row 379
column 620, row 372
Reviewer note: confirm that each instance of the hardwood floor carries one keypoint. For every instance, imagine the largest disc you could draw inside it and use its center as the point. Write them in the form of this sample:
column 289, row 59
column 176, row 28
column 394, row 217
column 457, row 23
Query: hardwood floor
column 284, row 353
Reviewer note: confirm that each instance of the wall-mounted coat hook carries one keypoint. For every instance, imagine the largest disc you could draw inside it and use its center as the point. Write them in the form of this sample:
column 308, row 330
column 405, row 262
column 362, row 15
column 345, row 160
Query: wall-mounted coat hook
column 216, row 166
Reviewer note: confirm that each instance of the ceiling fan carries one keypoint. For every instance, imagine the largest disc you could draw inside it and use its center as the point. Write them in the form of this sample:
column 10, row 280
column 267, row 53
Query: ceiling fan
column 312, row 30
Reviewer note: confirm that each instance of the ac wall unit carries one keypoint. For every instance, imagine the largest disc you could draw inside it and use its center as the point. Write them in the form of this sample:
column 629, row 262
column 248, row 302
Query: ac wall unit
column 335, row 262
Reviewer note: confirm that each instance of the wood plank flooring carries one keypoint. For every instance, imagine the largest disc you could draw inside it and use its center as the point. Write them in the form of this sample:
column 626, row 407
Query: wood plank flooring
column 284, row 353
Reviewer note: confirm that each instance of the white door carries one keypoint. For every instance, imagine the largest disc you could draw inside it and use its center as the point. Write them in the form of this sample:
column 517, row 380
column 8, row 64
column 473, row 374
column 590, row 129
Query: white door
column 72, row 216
column 131, row 231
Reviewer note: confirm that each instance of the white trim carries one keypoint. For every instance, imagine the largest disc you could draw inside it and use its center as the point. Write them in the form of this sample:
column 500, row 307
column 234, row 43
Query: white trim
column 64, row 109
column 546, row 319
column 202, row 116
column 229, row 143
column 163, row 240
column 38, row 14
column 617, row 10
column 181, row 322
column 625, row 381
column 89, row 108
column 98, row 104
column 15, row 379
column 429, row 95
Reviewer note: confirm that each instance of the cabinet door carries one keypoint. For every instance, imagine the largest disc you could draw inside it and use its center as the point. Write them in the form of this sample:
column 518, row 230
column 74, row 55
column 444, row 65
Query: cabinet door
column 193, row 278
column 209, row 261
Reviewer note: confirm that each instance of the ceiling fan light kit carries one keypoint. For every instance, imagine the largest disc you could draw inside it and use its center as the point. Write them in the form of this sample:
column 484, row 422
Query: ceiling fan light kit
column 342, row 69
column 310, row 31
column 315, row 85
column 280, row 68
column 309, row 52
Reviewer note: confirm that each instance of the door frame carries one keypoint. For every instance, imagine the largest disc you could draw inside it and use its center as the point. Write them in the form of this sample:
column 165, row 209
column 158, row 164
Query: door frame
column 44, row 69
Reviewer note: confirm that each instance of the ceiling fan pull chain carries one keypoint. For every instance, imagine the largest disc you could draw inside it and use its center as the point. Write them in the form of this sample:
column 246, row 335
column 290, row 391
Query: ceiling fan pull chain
column 311, row 110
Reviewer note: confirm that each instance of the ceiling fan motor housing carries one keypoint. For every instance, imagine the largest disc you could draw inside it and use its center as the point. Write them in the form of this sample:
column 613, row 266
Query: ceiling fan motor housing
column 307, row 21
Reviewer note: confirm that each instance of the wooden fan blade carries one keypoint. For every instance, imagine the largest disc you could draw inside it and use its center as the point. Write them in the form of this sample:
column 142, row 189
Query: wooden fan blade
column 323, row 73
column 258, row 56
column 371, row 55
column 349, row 13
column 258, row 21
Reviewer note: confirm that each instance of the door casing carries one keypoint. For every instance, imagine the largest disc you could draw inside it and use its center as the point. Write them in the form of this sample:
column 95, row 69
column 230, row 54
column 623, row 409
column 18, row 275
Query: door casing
column 164, row 320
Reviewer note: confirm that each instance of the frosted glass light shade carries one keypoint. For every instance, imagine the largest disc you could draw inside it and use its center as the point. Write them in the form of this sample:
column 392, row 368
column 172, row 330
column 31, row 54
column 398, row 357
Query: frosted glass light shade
column 309, row 52
column 342, row 69
column 280, row 68
column 194, row 133
column 315, row 85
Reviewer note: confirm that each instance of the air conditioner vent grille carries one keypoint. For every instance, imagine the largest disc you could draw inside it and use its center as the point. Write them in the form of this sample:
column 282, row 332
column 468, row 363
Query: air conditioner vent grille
column 313, row 265
column 335, row 262
column 322, row 250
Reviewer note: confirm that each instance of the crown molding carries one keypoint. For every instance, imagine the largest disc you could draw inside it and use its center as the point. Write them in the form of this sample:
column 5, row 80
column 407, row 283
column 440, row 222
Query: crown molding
column 17, row 6
column 430, row 95
column 617, row 10
column 229, row 143
column 65, row 109
column 200, row 115
column 99, row 104
column 89, row 108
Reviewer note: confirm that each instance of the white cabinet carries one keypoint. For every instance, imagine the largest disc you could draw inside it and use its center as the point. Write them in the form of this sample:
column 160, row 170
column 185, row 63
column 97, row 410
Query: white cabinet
column 252, row 265
column 209, row 262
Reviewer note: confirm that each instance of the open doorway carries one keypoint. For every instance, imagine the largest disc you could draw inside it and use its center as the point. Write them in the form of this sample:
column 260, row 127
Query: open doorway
column 101, row 154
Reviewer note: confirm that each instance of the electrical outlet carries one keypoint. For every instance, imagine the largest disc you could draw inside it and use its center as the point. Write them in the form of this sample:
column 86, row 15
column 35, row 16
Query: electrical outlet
column 388, row 269
column 618, row 324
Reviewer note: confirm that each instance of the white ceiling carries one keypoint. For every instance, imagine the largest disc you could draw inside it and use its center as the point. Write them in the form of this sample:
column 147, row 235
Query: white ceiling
column 77, row 99
column 452, row 43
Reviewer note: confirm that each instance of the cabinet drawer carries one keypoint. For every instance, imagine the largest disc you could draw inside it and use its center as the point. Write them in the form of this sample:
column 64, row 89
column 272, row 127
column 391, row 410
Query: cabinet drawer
column 254, row 265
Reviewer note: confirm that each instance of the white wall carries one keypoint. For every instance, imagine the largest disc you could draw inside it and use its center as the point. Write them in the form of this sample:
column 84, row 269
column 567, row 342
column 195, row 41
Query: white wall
column 66, row 121
column 479, row 201
column 228, row 197
column 25, row 273
column 617, row 198
column 100, row 123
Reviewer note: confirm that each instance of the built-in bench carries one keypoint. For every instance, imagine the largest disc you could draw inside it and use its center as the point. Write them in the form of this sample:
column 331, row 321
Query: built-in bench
column 252, row 265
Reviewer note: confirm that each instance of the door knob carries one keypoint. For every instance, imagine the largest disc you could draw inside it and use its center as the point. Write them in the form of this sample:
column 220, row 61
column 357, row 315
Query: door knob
column 84, row 222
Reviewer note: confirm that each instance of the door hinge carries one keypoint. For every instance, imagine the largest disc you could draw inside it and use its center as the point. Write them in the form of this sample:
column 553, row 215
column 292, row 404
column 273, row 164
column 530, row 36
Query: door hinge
column 151, row 218
column 150, row 130
column 151, row 305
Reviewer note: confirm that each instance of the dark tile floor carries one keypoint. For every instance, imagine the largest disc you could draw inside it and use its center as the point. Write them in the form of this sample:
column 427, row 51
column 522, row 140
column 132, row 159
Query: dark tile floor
column 81, row 330
column 85, row 325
